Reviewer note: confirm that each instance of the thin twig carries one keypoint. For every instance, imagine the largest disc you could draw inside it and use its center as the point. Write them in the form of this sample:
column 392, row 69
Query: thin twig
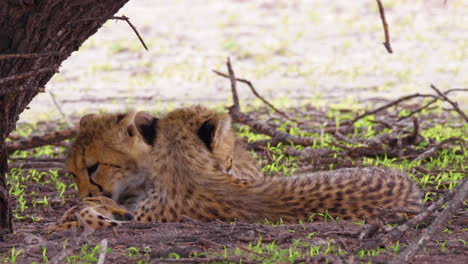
column 123, row 17
column 437, row 225
column 431, row 102
column 67, row 120
column 254, row 91
column 253, row 252
column 433, row 150
column 234, row 259
column 385, row 26
column 102, row 255
column 277, row 136
column 232, row 77
column 390, row 104
column 30, row 55
column 399, row 231
column 454, row 104
column 28, row 74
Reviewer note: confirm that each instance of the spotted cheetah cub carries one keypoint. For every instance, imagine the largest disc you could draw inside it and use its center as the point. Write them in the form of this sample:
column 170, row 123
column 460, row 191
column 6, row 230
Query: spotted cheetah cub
column 188, row 179
column 186, row 172
column 110, row 147
column 104, row 158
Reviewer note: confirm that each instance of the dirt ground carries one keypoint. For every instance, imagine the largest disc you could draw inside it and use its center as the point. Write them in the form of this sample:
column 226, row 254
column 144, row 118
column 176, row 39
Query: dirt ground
column 294, row 51
column 217, row 242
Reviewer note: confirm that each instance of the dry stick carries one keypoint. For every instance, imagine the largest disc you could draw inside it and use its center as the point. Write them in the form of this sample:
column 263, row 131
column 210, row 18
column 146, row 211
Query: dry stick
column 134, row 29
column 399, row 231
column 454, row 104
column 430, row 103
column 254, row 91
column 385, row 26
column 102, row 255
column 234, row 259
column 67, row 120
column 28, row 74
column 438, row 224
column 123, row 17
column 257, row 125
column 433, row 150
column 392, row 103
column 37, row 141
column 232, row 78
column 263, row 128
column 30, row 55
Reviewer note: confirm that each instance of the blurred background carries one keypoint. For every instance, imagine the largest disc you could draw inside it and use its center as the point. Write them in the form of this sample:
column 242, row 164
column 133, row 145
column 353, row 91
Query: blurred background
column 294, row 51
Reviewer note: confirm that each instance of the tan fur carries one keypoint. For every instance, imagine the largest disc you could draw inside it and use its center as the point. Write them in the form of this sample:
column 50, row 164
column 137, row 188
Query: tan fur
column 96, row 212
column 184, row 173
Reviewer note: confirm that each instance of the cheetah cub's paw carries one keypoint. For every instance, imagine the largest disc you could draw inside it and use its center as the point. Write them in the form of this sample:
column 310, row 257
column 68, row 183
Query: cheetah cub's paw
column 94, row 213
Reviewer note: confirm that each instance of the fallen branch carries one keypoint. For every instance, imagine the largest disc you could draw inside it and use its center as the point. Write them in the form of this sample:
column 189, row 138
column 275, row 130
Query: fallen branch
column 385, row 26
column 399, row 231
column 434, row 149
column 234, row 259
column 38, row 141
column 454, row 104
column 439, row 223
column 102, row 255
column 277, row 136
column 390, row 104
column 254, row 91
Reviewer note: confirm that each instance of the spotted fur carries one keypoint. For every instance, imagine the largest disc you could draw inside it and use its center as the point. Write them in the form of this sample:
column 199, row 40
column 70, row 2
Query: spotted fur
column 96, row 212
column 187, row 168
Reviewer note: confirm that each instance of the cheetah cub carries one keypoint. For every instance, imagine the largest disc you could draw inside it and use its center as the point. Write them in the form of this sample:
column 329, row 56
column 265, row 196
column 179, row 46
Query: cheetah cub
column 188, row 163
column 188, row 179
column 104, row 161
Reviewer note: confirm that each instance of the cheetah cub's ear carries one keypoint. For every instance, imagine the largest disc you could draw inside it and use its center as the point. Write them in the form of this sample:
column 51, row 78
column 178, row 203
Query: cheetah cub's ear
column 86, row 120
column 216, row 133
column 146, row 126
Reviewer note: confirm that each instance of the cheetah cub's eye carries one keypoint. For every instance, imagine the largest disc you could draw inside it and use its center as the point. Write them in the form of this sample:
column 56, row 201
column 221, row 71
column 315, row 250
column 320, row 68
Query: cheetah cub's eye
column 92, row 169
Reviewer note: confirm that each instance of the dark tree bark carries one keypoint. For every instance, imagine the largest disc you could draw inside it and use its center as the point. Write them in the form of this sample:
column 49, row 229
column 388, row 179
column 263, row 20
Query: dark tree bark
column 54, row 27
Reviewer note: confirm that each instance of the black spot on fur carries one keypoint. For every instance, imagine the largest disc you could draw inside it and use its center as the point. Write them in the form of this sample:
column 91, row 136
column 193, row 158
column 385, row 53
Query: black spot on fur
column 100, row 217
column 114, row 224
column 205, row 133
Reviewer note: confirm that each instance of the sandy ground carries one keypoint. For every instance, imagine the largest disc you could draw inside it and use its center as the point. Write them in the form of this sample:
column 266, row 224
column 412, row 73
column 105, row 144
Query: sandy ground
column 295, row 50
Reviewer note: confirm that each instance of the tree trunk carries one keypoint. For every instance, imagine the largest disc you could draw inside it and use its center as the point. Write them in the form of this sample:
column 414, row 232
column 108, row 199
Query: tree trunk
column 54, row 28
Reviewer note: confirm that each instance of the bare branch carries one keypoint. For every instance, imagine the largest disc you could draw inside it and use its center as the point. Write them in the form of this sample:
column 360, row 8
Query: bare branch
column 437, row 225
column 385, row 26
column 454, row 104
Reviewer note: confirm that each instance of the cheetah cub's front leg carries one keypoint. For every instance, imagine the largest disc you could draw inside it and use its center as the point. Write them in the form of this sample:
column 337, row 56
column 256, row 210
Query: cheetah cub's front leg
column 97, row 212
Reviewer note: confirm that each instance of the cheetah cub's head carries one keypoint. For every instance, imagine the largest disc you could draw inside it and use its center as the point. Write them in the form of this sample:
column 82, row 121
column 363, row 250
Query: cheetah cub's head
column 109, row 148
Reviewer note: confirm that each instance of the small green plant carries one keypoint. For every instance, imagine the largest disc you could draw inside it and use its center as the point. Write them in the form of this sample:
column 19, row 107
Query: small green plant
column 442, row 245
column 13, row 255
